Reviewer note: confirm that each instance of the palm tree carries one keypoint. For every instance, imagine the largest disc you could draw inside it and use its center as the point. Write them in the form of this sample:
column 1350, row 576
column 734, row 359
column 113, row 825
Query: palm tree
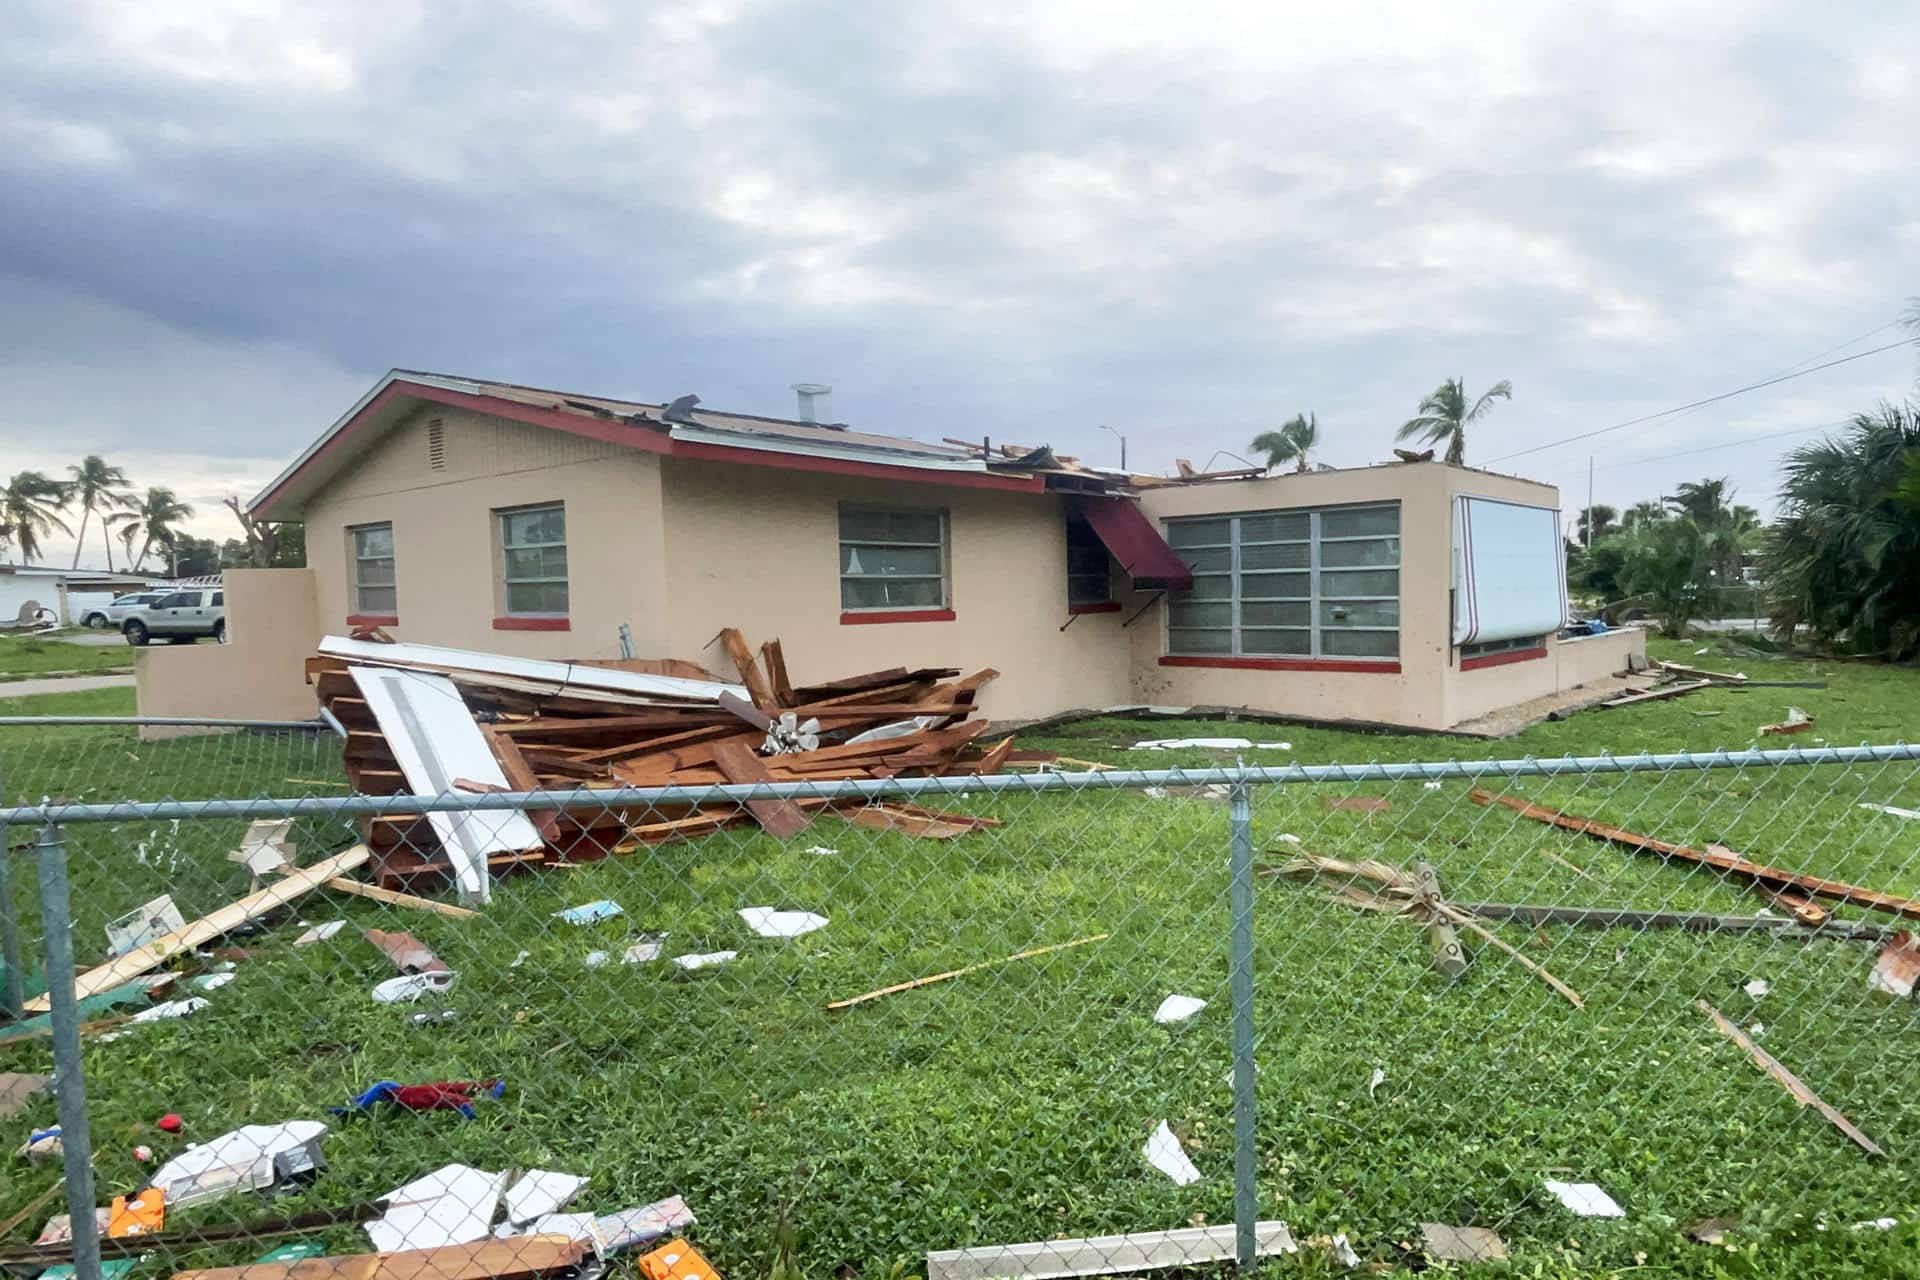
column 1595, row 523
column 96, row 487
column 30, row 508
column 150, row 519
column 1291, row 442
column 1644, row 513
column 1444, row 416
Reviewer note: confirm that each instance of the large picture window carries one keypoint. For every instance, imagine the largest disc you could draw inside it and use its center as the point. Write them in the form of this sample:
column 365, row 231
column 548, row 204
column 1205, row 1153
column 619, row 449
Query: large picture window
column 892, row 560
column 374, row 592
column 1289, row 584
column 533, row 557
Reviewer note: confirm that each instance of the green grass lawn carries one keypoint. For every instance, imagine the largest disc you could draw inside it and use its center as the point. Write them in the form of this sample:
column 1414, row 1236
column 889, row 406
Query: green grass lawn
column 1013, row 1104
column 25, row 657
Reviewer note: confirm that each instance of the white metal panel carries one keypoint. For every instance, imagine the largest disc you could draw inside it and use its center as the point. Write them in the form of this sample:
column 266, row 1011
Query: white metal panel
column 435, row 740
column 560, row 674
column 1509, row 570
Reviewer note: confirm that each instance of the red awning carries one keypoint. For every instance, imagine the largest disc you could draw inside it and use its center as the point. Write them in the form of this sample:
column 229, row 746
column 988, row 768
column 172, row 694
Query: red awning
column 1133, row 541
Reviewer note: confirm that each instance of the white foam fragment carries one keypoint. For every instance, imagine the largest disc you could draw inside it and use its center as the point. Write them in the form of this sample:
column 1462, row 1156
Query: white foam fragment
column 769, row 923
column 1178, row 1008
column 1586, row 1199
column 1164, row 1153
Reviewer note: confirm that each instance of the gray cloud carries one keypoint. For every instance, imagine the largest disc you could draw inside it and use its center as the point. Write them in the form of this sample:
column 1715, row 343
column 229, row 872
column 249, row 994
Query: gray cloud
column 223, row 221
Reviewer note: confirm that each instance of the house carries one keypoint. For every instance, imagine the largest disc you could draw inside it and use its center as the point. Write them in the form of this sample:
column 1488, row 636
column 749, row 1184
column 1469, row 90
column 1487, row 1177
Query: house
column 494, row 516
column 63, row 595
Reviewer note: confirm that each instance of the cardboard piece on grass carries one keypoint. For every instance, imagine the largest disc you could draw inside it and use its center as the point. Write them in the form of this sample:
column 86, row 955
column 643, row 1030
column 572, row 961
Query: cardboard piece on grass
column 590, row 912
column 150, row 920
column 408, row 953
column 265, row 848
column 1163, row 1152
column 1178, row 1008
column 1586, row 1199
column 1462, row 1244
column 452, row 1205
column 17, row 1088
column 1897, row 968
column 769, row 923
column 59, row 1228
column 245, row 1159
column 540, row 1192
column 705, row 960
column 649, row 947
column 409, row 987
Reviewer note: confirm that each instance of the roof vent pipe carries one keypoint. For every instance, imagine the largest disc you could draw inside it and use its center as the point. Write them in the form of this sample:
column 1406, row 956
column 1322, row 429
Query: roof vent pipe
column 816, row 400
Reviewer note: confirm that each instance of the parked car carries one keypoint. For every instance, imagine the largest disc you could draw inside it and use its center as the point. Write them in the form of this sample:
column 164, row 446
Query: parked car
column 180, row 616
column 112, row 614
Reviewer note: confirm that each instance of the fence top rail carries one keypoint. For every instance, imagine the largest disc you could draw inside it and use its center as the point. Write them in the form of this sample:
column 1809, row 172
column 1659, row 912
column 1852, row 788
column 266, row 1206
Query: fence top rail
column 311, row 726
column 1106, row 780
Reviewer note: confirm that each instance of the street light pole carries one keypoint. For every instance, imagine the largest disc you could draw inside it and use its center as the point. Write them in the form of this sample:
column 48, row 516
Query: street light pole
column 1123, row 444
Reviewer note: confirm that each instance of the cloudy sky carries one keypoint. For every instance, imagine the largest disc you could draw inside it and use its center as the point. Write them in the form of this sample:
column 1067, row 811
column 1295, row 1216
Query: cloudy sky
column 221, row 220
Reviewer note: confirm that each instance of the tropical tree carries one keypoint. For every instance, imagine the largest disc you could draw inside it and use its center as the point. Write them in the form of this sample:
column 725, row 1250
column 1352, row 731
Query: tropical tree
column 1291, row 442
column 96, row 486
column 151, row 520
column 1445, row 416
column 1644, row 513
column 1844, row 558
column 1596, row 522
column 30, row 508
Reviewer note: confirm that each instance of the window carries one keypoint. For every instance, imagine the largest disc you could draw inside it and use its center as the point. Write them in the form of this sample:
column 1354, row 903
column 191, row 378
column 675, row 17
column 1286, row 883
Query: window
column 892, row 560
column 1487, row 648
column 1289, row 584
column 1089, row 580
column 219, row 599
column 533, row 546
column 178, row 600
column 374, row 594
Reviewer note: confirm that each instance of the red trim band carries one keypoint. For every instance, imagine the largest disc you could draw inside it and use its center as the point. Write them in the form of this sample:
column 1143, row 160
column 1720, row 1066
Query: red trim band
column 1111, row 606
column 532, row 624
column 900, row 615
column 1359, row 667
column 373, row 619
column 1501, row 659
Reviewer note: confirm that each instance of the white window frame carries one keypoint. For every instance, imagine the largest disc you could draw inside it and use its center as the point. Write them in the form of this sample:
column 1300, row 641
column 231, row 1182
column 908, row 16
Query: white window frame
column 508, row 581
column 355, row 559
column 1314, row 541
column 842, row 542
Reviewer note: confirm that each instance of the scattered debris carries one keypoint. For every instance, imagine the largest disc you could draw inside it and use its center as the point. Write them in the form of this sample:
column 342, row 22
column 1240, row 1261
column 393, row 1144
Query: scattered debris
column 1718, row 857
column 648, row 948
column 769, row 923
column 1105, row 1255
column 824, row 851
column 1206, row 791
column 1358, row 804
column 676, row 1260
column 1178, row 1009
column 956, row 973
column 142, row 1154
column 1796, row 722
column 517, row 1258
column 1897, row 968
column 704, row 960
column 441, row 1095
column 1894, row 811
column 319, row 933
column 1710, row 1230
column 1757, row 988
column 614, row 1232
column 1378, row 1078
column 1462, row 1244
column 409, row 987
column 1163, row 1152
column 591, row 912
column 596, row 959
column 41, row 1144
column 142, row 1215
column 144, row 924
column 1208, row 744
column 1695, row 921
column 265, row 849
column 1557, row 860
column 169, row 1123
column 1586, row 1199
column 408, row 953
column 17, row 1088
column 213, row 981
column 452, row 1205
column 1659, row 694
column 1805, row 1096
column 1875, row 1224
column 170, row 1009
column 247, row 1159
column 540, row 1192
column 1342, row 1252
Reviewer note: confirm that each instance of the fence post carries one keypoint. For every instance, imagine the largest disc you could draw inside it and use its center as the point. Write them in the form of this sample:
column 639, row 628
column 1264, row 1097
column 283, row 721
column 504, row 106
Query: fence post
column 68, row 1079
column 14, row 996
column 1246, row 1200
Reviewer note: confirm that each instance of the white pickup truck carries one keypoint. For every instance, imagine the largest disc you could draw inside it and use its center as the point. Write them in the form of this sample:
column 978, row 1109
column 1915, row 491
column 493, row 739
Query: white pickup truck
column 180, row 617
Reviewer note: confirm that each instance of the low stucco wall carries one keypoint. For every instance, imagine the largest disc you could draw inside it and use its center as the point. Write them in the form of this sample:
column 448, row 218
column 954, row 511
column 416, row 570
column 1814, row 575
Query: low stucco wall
column 1567, row 665
column 272, row 626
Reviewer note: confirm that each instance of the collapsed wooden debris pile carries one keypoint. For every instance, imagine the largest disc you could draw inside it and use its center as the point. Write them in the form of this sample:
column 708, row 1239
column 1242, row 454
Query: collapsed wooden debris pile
column 424, row 720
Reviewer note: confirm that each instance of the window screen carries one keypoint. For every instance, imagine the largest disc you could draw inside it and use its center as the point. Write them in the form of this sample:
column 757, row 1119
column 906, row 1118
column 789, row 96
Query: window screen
column 892, row 559
column 373, row 584
column 533, row 548
column 1289, row 584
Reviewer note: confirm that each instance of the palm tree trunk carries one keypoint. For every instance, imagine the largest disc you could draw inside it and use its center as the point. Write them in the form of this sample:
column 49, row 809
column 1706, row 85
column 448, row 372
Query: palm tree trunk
column 80, row 542
column 106, row 536
column 141, row 559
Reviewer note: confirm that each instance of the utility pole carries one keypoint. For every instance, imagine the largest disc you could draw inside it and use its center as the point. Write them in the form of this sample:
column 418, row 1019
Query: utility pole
column 1589, row 502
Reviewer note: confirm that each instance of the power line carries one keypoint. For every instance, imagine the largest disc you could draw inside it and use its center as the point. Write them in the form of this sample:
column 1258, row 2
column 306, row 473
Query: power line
column 1725, row 395
column 1726, row 444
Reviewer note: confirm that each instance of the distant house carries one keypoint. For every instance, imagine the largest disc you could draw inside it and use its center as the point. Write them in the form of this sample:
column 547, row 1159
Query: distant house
column 65, row 595
column 488, row 515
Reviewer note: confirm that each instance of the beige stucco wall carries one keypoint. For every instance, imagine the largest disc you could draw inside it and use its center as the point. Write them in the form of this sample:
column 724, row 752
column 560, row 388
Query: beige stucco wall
column 759, row 549
column 444, row 535
column 258, row 674
column 1419, row 694
column 1568, row 664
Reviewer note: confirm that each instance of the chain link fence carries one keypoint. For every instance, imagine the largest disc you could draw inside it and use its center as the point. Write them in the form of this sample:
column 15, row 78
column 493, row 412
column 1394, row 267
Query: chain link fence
column 1118, row 1020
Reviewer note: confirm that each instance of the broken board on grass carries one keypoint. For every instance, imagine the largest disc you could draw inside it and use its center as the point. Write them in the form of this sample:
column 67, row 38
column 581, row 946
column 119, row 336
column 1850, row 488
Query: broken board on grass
column 781, row 819
column 1105, row 1255
column 515, row 1258
column 435, row 740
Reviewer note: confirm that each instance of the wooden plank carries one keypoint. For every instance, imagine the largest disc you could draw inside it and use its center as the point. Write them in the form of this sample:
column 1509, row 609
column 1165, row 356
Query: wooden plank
column 1104, row 1255
column 124, row 969
column 996, row 757
column 751, row 676
column 1657, row 695
column 1792, row 1083
column 515, row 1258
column 1700, row 673
column 520, row 777
column 340, row 884
column 774, row 659
column 782, row 819
column 676, row 667
column 1716, row 856
column 950, row 974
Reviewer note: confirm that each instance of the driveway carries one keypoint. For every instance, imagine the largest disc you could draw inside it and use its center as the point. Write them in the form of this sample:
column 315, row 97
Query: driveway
column 95, row 639
column 62, row 684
